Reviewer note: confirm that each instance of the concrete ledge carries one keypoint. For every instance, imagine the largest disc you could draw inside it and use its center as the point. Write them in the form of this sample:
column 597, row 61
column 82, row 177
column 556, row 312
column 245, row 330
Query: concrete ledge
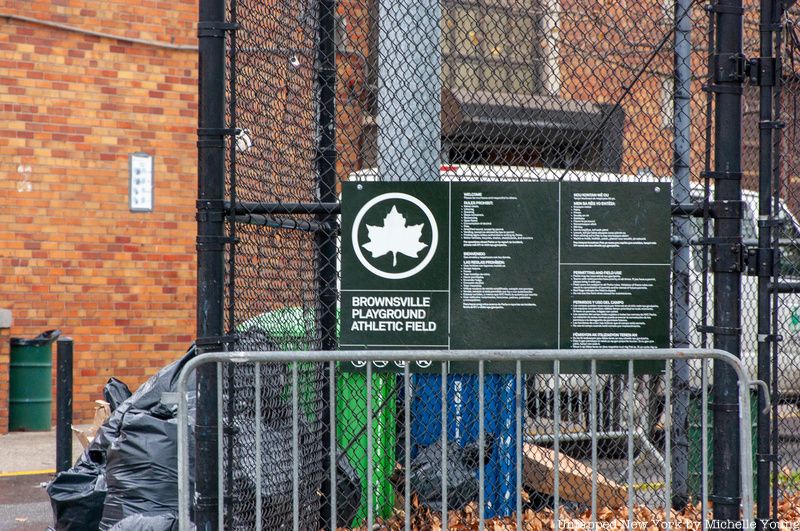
column 5, row 319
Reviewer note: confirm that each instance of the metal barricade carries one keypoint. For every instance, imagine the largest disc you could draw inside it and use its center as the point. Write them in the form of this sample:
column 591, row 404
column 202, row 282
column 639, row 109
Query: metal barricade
column 484, row 360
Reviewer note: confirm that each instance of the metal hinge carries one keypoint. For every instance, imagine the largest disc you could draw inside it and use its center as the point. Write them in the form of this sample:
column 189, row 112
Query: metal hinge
column 214, row 243
column 216, row 341
column 763, row 71
column 760, row 261
column 728, row 256
column 722, row 175
column 730, row 67
column 216, row 28
column 209, row 210
column 720, row 330
column 715, row 7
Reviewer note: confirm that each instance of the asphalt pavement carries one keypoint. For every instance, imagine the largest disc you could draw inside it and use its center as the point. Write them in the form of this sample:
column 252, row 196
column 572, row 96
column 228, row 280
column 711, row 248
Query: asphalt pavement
column 24, row 504
column 27, row 463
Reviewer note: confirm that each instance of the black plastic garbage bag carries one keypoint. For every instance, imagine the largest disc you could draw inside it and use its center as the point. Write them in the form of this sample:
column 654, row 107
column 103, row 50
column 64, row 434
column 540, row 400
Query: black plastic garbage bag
column 148, row 522
column 141, row 468
column 115, row 393
column 67, row 493
column 146, row 397
column 77, row 497
column 348, row 494
column 462, row 474
column 276, row 470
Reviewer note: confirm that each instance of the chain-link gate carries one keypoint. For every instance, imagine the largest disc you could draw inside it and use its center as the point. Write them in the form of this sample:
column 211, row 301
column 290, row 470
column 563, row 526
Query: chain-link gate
column 298, row 96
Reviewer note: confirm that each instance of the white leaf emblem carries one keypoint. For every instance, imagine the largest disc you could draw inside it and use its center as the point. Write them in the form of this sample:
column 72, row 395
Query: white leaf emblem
column 395, row 237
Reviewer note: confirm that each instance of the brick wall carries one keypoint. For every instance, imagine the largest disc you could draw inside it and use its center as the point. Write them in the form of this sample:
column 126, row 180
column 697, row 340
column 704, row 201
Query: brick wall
column 72, row 255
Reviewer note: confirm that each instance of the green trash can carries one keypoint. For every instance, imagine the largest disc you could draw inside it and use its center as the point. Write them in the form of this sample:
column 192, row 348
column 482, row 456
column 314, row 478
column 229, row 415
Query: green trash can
column 351, row 410
column 695, row 456
column 290, row 328
column 30, row 387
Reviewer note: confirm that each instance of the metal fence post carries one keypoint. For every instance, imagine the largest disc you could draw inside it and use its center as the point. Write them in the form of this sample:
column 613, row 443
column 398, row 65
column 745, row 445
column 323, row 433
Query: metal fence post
column 325, row 247
column 681, row 290
column 727, row 251
column 63, row 403
column 770, row 16
column 210, row 250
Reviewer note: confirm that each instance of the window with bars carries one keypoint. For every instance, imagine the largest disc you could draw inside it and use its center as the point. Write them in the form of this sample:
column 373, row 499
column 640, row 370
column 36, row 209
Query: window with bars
column 493, row 45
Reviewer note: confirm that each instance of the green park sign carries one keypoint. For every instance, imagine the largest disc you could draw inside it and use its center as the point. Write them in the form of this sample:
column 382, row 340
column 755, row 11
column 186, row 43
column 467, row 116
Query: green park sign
column 492, row 265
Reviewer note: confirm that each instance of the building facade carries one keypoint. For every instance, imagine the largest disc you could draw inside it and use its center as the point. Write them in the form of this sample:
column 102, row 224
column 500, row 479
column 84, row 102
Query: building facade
column 83, row 85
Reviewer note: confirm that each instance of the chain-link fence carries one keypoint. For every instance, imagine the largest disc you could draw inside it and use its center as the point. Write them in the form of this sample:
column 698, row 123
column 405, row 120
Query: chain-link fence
column 321, row 92
column 786, row 238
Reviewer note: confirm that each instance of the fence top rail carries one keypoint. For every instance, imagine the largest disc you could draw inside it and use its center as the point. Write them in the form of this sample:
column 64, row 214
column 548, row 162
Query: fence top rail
column 474, row 355
column 619, row 354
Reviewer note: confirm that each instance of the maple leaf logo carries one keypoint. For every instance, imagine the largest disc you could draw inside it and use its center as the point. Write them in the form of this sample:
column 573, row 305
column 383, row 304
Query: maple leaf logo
column 394, row 237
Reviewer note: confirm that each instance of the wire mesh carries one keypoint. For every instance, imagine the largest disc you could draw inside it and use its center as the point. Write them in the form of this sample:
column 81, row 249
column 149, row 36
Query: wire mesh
column 786, row 238
column 512, row 90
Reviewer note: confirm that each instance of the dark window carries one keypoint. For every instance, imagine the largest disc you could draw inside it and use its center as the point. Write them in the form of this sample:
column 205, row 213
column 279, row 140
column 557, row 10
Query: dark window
column 492, row 45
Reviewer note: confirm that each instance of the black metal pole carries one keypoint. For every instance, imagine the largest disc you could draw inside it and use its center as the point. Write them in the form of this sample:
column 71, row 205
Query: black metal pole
column 210, row 251
column 777, row 139
column 766, row 76
column 64, row 348
column 727, row 258
column 325, row 240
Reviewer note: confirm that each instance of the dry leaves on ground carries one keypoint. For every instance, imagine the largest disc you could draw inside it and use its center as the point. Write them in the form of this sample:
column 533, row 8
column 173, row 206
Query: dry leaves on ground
column 644, row 519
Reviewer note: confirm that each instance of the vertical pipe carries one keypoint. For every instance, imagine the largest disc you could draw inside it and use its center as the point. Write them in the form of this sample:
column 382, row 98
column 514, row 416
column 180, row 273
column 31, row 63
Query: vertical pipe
column 409, row 114
column 183, row 458
column 727, row 256
column 64, row 348
column 220, row 447
column 332, row 440
column 551, row 27
column 409, row 90
column 765, row 261
column 631, row 491
column 556, row 440
column 593, row 428
column 776, row 257
column 681, row 187
column 409, row 136
column 295, row 450
column 704, row 443
column 370, row 449
column 258, row 418
column 325, row 250
column 407, row 444
column 481, row 447
column 669, row 411
column 210, row 252
column 520, row 426
column 443, row 406
column 746, row 443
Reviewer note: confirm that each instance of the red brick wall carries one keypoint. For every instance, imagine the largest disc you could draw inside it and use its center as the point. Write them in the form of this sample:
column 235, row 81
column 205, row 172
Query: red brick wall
column 72, row 255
